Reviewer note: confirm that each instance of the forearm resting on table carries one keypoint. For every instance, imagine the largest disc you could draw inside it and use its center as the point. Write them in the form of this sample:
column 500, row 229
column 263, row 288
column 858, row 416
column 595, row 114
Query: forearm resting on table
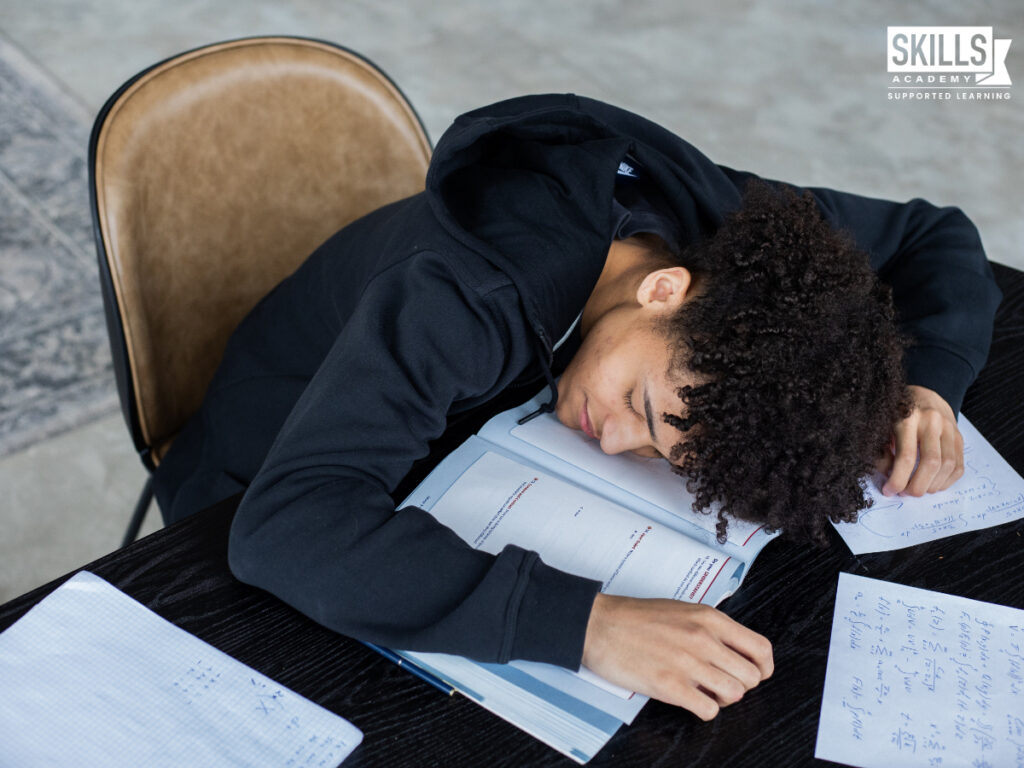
column 689, row 655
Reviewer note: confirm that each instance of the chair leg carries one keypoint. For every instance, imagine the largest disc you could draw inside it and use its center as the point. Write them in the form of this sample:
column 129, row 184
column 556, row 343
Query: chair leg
column 145, row 498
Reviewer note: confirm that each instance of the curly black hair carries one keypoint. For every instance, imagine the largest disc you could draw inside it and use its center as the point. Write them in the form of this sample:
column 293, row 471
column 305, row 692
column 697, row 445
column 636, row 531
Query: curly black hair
column 798, row 359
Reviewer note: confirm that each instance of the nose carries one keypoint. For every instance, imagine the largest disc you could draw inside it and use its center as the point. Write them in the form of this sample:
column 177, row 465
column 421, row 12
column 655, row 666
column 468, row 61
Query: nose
column 620, row 435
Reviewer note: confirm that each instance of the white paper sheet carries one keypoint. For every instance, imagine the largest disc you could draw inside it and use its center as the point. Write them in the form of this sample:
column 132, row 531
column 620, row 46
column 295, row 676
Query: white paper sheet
column 920, row 678
column 989, row 493
column 91, row 677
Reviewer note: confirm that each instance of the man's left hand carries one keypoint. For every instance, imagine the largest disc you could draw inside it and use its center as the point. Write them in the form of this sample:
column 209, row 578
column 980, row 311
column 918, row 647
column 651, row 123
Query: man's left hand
column 929, row 438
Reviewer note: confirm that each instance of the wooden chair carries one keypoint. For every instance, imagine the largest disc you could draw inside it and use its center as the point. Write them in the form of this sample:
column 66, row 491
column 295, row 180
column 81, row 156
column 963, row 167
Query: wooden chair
column 213, row 175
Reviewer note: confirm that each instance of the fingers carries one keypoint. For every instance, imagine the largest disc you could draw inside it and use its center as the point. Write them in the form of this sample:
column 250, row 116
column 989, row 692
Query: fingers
column 929, row 449
column 723, row 687
column 929, row 465
column 752, row 660
column 949, row 459
column 958, row 469
column 703, row 703
column 721, row 674
column 692, row 656
column 884, row 463
column 905, row 458
column 704, row 687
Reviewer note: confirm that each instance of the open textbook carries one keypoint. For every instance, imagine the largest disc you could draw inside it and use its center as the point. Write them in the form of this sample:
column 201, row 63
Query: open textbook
column 623, row 520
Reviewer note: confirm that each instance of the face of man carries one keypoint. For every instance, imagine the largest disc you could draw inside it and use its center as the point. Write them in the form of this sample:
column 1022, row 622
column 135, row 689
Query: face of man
column 617, row 387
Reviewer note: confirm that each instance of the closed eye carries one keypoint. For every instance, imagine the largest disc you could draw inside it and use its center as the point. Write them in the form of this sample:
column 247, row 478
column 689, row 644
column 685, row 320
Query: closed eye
column 629, row 404
column 649, row 452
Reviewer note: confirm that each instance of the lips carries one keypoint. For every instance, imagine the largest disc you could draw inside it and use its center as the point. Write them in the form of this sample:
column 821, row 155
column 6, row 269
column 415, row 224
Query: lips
column 585, row 425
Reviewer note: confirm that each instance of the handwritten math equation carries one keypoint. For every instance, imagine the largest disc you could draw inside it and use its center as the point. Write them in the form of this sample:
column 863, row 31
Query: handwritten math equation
column 264, row 700
column 919, row 678
column 196, row 681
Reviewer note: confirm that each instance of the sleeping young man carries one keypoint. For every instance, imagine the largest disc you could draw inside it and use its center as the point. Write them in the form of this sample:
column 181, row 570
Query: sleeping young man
column 774, row 344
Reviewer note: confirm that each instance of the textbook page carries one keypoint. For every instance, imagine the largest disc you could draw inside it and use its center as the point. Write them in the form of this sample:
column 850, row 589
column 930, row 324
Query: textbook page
column 989, row 493
column 919, row 678
column 621, row 477
column 89, row 676
column 491, row 499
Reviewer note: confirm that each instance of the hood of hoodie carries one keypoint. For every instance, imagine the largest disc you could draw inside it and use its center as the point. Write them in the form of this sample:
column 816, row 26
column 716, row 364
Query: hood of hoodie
column 528, row 183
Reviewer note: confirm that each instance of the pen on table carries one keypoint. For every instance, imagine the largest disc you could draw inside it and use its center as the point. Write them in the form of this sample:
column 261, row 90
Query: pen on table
column 422, row 674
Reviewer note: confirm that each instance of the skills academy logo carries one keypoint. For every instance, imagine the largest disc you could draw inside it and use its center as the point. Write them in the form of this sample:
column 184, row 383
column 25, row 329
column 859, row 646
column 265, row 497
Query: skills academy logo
column 947, row 63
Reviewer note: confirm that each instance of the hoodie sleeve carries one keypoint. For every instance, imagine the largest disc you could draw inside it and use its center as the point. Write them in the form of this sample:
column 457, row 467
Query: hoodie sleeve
column 943, row 288
column 318, row 528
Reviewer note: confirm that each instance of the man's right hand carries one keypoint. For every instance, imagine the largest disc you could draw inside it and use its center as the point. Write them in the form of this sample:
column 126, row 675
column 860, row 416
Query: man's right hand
column 686, row 654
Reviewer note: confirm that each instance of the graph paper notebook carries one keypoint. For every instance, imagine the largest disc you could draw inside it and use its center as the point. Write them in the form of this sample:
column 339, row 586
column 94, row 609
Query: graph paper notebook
column 89, row 676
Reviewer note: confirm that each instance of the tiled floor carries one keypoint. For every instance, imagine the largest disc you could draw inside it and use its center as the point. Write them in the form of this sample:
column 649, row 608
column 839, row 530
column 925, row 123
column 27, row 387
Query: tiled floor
column 791, row 90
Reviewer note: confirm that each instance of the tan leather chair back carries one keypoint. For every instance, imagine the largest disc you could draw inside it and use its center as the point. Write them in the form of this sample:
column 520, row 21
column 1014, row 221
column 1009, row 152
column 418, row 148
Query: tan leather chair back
column 216, row 173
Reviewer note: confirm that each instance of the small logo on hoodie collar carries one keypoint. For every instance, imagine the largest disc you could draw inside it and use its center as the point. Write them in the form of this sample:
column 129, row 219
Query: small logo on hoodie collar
column 625, row 169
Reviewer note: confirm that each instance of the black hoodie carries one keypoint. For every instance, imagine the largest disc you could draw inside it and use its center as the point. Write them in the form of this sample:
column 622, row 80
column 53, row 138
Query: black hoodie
column 438, row 306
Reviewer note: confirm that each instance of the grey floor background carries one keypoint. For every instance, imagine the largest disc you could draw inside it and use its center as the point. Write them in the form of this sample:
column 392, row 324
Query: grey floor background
column 55, row 366
column 794, row 90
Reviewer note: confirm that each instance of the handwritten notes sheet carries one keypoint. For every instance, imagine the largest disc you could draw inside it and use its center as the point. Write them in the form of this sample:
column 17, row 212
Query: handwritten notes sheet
column 989, row 493
column 920, row 678
column 91, row 677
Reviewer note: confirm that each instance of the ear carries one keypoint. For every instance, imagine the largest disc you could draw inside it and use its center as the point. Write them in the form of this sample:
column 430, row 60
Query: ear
column 665, row 290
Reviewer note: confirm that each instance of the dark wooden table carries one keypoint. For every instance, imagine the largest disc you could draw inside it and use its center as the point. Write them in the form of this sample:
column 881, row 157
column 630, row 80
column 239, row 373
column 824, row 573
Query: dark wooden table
column 181, row 573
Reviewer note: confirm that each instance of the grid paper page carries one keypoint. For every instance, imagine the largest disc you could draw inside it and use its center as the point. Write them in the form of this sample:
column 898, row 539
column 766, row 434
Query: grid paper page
column 91, row 677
